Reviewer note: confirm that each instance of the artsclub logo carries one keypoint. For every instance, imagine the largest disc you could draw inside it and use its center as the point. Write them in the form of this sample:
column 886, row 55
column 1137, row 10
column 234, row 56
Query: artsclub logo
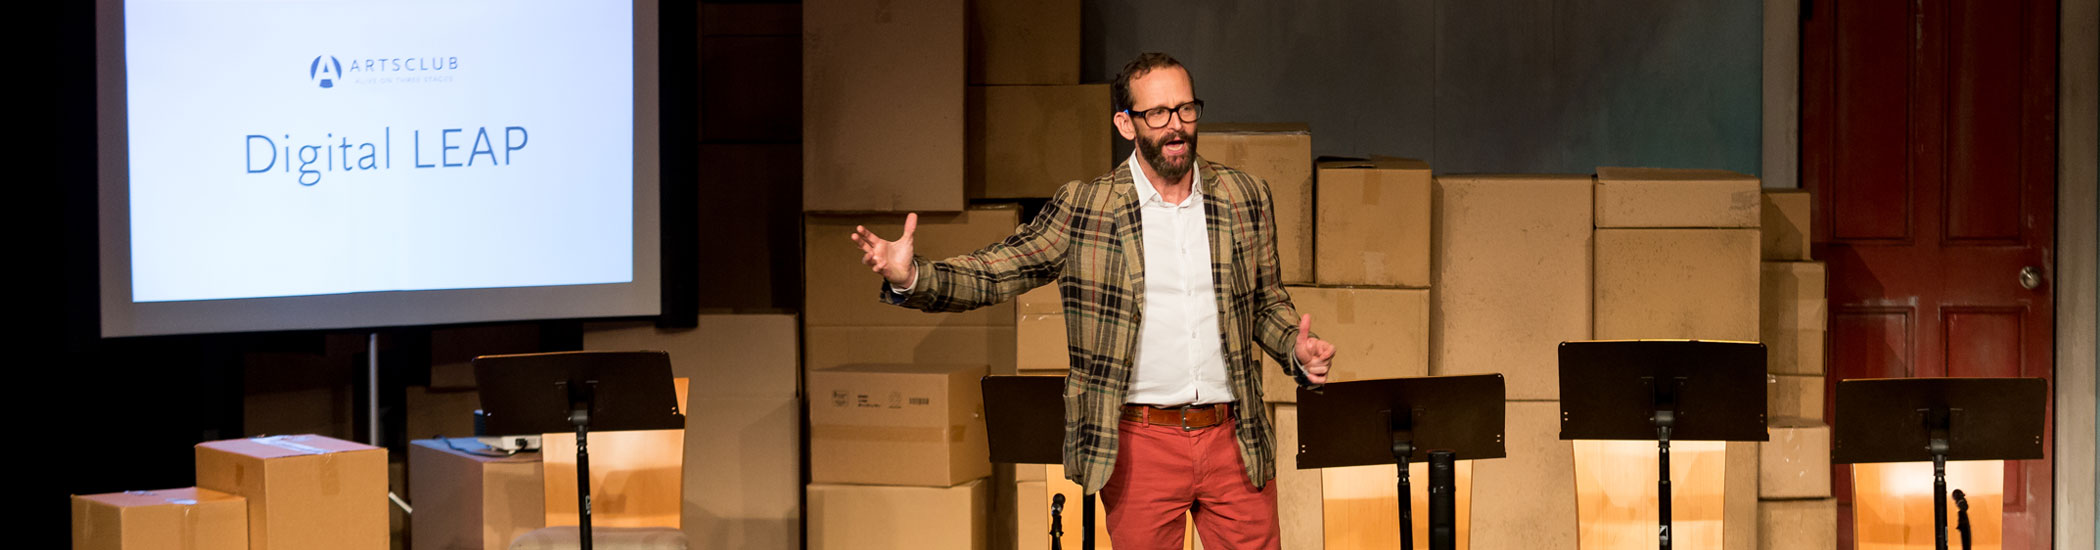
column 327, row 71
column 325, row 74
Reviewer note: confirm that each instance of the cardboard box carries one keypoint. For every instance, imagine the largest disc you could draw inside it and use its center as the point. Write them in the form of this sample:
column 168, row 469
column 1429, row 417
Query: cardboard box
column 1615, row 487
column 913, row 424
column 1377, row 333
column 171, row 519
column 1795, row 463
column 636, row 476
column 1785, row 230
column 1280, row 154
column 441, row 413
column 1799, row 396
column 1794, row 317
column 1512, row 277
column 1026, row 141
column 1802, row 525
column 1669, row 198
column 1373, row 222
column 1300, row 509
column 1739, row 497
column 752, row 356
column 830, row 347
column 841, row 291
column 1676, row 283
column 1023, row 42
column 1039, row 331
column 472, row 500
column 1527, row 499
column 882, row 106
column 887, row 517
column 304, row 492
column 743, row 473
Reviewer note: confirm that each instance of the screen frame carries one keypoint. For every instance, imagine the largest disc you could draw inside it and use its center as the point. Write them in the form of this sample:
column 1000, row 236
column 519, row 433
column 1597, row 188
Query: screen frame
column 121, row 317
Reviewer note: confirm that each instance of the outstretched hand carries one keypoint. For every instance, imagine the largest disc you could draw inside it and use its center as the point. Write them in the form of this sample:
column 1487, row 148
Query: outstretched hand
column 1314, row 354
column 891, row 259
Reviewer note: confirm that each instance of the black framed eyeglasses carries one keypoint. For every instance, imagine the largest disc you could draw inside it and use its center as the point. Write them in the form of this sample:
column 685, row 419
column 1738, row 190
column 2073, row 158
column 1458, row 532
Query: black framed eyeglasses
column 1157, row 117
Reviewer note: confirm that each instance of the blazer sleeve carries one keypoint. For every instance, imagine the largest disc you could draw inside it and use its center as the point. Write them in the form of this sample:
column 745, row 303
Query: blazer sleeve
column 1032, row 256
column 1275, row 319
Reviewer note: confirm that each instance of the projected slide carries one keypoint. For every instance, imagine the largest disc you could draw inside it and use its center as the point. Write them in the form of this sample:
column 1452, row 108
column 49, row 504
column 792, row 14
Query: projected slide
column 316, row 147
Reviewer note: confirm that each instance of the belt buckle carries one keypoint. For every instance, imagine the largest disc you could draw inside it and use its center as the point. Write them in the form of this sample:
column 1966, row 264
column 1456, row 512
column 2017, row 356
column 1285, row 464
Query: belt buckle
column 1184, row 409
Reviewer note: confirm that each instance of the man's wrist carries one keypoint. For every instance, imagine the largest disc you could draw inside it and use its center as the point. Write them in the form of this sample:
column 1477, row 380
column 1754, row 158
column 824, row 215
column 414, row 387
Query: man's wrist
column 910, row 282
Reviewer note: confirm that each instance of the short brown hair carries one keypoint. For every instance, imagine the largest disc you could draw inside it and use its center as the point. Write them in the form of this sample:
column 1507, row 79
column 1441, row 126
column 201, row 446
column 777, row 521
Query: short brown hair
column 1119, row 90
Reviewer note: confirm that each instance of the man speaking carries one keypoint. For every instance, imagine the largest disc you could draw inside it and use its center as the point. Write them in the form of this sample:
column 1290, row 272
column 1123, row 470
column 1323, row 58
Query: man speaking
column 1168, row 272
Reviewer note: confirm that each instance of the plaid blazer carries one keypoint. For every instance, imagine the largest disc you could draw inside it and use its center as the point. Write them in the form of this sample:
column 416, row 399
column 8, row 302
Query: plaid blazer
column 1088, row 240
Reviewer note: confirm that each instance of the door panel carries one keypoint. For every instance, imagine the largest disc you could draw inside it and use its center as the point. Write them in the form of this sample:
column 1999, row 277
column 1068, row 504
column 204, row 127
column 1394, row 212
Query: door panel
column 1928, row 141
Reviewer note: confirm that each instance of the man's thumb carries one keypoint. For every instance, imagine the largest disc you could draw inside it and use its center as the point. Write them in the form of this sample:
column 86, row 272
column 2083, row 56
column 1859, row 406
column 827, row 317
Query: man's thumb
column 1304, row 327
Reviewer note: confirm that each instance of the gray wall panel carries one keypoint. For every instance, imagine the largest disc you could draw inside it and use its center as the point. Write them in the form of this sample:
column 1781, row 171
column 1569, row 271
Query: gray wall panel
column 1486, row 86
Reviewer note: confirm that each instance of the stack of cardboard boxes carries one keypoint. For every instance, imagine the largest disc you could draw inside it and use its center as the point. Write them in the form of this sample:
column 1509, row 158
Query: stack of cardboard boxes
column 1512, row 274
column 264, row 493
column 997, row 113
column 1795, row 507
column 1676, row 257
column 886, row 438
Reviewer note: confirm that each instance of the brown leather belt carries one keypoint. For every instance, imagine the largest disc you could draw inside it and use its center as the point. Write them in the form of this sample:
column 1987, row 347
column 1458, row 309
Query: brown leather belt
column 1188, row 417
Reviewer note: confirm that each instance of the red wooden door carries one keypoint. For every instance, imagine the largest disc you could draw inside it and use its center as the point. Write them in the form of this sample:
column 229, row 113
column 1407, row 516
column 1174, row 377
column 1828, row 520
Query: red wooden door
column 1928, row 140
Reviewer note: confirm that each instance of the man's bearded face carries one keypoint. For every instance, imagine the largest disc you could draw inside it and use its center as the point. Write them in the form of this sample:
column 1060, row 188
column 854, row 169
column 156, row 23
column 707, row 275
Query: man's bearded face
column 1170, row 151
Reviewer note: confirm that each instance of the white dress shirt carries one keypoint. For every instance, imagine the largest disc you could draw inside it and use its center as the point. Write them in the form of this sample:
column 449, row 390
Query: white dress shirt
column 1180, row 352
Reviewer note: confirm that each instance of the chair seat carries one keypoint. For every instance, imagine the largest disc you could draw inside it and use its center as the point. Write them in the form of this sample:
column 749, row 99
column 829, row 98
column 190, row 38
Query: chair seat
column 602, row 538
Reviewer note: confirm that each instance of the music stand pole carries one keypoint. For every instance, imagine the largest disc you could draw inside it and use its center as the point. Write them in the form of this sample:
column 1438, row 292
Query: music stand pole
column 1403, row 445
column 1086, row 519
column 580, row 397
column 1936, row 427
column 1665, row 418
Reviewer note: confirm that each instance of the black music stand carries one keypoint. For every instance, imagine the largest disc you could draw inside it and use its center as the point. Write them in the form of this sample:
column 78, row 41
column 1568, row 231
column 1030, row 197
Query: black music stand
column 1662, row 390
column 583, row 391
column 1939, row 419
column 1440, row 419
column 1024, row 417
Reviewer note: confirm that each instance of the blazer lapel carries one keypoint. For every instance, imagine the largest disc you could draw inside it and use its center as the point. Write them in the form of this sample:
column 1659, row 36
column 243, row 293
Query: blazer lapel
column 1217, row 216
column 1130, row 230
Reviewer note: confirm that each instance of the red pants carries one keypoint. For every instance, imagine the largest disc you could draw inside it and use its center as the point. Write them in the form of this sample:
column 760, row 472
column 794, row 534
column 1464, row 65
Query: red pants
column 1163, row 471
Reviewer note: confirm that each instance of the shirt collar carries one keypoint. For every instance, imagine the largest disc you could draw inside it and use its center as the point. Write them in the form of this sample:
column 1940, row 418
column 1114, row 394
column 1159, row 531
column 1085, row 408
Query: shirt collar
column 1146, row 193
